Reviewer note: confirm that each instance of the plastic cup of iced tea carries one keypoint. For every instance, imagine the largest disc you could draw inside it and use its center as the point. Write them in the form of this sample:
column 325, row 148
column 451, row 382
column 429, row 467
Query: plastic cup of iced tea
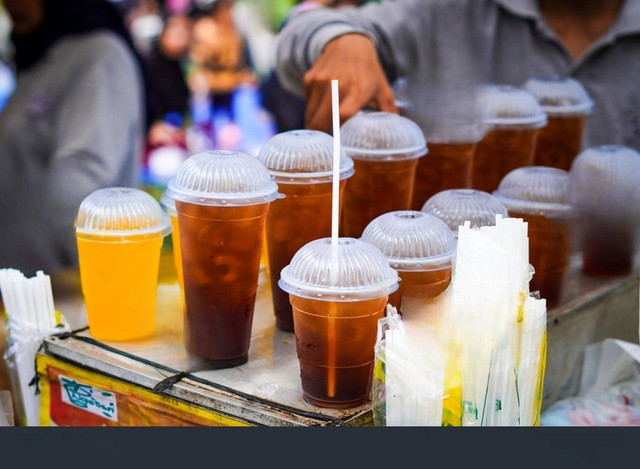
column 222, row 199
column 419, row 246
column 455, row 206
column 300, row 162
column 606, row 193
column 515, row 117
column 385, row 148
column 169, row 206
column 338, row 294
column 119, row 232
column 540, row 196
column 567, row 105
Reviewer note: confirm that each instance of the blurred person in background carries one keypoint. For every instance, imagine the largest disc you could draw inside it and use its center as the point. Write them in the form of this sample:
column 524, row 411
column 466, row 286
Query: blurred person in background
column 166, row 69
column 75, row 123
column 443, row 42
column 221, row 53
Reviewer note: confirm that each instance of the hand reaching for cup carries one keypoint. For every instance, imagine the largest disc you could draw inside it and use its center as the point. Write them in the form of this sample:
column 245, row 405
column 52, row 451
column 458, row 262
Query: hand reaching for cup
column 352, row 60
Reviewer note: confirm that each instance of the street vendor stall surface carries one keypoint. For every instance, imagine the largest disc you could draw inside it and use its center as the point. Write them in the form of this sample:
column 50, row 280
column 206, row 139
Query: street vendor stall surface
column 155, row 381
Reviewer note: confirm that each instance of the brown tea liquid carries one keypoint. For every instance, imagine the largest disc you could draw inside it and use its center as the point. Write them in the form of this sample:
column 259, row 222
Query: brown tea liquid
column 302, row 216
column 221, row 249
column 608, row 247
column 335, row 344
column 376, row 187
column 549, row 254
column 420, row 285
column 560, row 141
column 501, row 151
column 446, row 166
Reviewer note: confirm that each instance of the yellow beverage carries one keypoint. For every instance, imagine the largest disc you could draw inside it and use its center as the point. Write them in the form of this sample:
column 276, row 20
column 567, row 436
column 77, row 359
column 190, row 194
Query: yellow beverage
column 177, row 252
column 119, row 283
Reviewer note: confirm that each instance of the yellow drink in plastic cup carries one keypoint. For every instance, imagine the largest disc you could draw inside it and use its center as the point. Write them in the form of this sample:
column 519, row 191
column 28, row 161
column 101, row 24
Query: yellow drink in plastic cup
column 120, row 232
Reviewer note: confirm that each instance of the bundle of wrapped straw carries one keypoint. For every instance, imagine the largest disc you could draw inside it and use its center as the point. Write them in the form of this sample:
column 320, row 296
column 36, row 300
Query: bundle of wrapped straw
column 498, row 329
column 488, row 369
column 31, row 316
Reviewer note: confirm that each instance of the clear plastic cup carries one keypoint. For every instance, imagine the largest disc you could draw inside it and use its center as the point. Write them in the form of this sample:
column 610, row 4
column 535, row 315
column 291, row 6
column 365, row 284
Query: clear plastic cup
column 567, row 105
column 338, row 293
column 385, row 148
column 169, row 206
column 455, row 206
column 515, row 117
column 300, row 162
column 419, row 246
column 606, row 192
column 540, row 196
column 120, row 231
column 222, row 199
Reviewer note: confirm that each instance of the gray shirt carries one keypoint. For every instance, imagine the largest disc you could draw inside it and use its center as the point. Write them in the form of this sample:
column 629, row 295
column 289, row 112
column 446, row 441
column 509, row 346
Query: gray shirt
column 440, row 42
column 73, row 124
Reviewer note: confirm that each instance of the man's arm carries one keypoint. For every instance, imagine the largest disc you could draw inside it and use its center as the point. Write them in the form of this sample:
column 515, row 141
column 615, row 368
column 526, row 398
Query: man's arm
column 363, row 48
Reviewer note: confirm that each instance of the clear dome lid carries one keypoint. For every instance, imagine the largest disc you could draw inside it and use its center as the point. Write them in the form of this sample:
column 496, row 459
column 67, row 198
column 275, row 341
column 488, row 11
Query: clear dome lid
column 455, row 206
column 302, row 157
column 606, row 177
column 352, row 270
column 537, row 190
column 412, row 240
column 121, row 211
column 560, row 95
column 510, row 106
column 221, row 177
column 376, row 135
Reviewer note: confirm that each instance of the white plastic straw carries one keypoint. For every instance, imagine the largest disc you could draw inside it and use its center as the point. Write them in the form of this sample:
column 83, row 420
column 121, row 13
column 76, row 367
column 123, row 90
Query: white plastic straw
column 335, row 209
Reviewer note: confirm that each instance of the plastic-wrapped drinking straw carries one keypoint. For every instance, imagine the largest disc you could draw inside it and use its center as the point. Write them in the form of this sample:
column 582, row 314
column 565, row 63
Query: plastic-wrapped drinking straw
column 335, row 217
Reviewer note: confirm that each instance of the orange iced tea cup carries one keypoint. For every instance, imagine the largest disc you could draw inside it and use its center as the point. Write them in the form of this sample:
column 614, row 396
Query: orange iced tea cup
column 338, row 294
column 567, row 105
column 222, row 199
column 300, row 162
column 385, row 148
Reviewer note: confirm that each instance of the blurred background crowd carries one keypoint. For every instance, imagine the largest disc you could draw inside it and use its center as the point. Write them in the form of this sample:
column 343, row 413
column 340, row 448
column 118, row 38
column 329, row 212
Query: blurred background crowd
column 208, row 73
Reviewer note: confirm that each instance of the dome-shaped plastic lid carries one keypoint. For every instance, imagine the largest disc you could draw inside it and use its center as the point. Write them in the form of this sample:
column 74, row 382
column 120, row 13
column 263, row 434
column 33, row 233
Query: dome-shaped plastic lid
column 605, row 175
column 377, row 135
column 221, row 177
column 560, row 96
column 455, row 206
column 169, row 204
column 352, row 270
column 302, row 157
column 121, row 211
column 535, row 190
column 412, row 240
column 510, row 106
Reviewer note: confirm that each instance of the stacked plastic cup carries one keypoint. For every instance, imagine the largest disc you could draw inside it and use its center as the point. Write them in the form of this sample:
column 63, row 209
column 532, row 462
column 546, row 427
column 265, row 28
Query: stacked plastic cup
column 567, row 105
column 455, row 206
column 169, row 206
column 222, row 199
column 419, row 246
column 300, row 162
column 120, row 231
column 606, row 192
column 540, row 196
column 385, row 148
column 338, row 293
column 515, row 117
